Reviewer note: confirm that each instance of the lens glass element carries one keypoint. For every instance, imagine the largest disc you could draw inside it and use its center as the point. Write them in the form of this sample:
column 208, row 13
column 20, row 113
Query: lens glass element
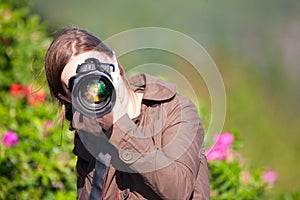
column 96, row 92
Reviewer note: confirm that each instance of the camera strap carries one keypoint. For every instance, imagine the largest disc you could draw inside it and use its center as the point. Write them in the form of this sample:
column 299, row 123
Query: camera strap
column 102, row 164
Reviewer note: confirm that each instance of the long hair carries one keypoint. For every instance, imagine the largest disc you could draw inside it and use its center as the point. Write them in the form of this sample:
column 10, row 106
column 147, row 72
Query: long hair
column 70, row 41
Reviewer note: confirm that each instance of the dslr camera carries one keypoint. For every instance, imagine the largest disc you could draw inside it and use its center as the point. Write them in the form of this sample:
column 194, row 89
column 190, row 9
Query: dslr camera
column 93, row 93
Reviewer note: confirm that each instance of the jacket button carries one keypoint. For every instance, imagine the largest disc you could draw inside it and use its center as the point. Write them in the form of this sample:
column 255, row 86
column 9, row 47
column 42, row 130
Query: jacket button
column 126, row 156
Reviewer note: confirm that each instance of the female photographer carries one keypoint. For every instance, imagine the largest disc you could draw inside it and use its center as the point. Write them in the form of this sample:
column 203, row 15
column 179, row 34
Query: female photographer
column 148, row 146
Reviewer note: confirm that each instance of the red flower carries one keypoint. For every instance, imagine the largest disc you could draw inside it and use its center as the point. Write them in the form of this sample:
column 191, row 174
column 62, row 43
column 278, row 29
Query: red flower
column 33, row 98
column 16, row 89
column 36, row 98
column 27, row 91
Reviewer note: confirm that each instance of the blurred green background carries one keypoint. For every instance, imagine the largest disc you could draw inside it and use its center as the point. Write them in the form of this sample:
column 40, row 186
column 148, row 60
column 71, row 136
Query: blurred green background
column 255, row 44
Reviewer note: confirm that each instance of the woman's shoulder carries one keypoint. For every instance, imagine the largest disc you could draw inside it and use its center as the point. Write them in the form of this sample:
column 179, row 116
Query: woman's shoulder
column 182, row 104
column 154, row 88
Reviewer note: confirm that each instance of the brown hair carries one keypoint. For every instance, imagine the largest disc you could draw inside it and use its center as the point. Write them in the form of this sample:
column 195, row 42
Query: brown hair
column 70, row 41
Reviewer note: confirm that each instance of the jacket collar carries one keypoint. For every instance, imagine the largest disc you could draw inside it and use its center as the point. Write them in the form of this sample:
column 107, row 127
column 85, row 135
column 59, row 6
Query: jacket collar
column 153, row 88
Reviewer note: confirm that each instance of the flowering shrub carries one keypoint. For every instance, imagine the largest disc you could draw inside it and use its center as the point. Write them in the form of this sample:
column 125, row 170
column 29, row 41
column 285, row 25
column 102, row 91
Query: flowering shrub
column 33, row 98
column 22, row 45
column 35, row 163
column 35, row 159
column 231, row 178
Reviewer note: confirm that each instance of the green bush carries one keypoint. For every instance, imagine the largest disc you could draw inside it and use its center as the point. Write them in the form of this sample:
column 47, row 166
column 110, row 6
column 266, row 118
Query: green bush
column 231, row 177
column 35, row 163
column 22, row 44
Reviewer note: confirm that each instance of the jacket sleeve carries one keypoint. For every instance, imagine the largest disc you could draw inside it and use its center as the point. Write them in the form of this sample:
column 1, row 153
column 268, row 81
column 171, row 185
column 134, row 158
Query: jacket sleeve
column 170, row 168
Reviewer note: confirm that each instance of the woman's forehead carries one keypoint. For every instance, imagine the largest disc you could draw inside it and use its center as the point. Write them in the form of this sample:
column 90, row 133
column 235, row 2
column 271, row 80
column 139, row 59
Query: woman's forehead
column 80, row 58
column 70, row 68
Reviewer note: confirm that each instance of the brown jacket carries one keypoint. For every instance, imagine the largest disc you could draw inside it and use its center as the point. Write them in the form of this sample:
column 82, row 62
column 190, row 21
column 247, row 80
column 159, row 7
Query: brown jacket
column 158, row 155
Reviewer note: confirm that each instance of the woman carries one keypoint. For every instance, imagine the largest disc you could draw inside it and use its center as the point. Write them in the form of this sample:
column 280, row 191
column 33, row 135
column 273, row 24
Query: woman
column 150, row 146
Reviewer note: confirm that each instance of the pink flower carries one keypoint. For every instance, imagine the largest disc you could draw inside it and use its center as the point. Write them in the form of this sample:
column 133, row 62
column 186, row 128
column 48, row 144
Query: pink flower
column 269, row 177
column 224, row 140
column 221, row 149
column 48, row 125
column 245, row 176
column 216, row 153
column 10, row 138
column 230, row 155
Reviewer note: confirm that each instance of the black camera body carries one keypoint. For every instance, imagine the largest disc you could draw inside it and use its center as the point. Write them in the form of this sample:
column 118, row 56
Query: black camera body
column 93, row 93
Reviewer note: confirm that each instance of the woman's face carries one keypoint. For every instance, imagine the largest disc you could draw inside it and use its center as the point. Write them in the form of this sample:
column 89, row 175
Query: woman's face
column 70, row 68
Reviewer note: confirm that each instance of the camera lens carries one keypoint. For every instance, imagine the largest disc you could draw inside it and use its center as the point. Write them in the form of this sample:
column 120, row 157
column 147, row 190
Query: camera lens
column 93, row 95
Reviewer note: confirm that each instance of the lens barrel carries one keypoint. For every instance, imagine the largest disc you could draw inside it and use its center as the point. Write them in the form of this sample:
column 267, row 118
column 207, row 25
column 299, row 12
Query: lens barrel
column 93, row 94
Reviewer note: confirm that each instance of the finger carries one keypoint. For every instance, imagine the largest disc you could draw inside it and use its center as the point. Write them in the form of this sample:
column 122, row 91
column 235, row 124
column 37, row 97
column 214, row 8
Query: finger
column 82, row 123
